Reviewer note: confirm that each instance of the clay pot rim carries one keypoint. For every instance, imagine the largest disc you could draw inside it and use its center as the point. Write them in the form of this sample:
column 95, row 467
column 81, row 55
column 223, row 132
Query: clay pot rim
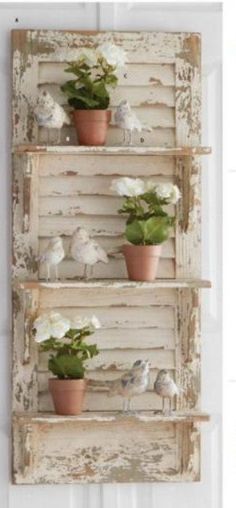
column 93, row 112
column 131, row 246
column 67, row 381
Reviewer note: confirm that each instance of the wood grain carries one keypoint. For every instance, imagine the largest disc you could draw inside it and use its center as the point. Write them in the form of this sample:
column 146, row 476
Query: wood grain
column 57, row 188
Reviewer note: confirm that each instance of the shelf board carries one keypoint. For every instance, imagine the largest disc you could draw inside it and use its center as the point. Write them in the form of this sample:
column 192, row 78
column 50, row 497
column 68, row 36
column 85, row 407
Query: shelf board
column 189, row 151
column 114, row 284
column 142, row 416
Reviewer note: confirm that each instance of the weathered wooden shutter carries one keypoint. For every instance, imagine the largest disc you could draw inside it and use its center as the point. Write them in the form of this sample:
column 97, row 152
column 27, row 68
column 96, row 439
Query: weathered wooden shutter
column 57, row 188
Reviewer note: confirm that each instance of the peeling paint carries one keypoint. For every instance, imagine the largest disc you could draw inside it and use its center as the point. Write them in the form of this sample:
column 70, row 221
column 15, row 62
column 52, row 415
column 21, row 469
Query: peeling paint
column 147, row 447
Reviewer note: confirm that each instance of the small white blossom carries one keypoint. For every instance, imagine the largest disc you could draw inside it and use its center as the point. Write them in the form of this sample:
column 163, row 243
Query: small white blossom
column 114, row 55
column 168, row 191
column 175, row 195
column 90, row 57
column 150, row 186
column 50, row 325
column 80, row 322
column 42, row 328
column 95, row 322
column 59, row 325
column 129, row 187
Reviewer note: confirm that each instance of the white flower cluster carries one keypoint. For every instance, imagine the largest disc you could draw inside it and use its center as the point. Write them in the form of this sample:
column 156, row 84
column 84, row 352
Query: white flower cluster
column 114, row 55
column 90, row 57
column 54, row 325
column 80, row 322
column 131, row 187
column 168, row 191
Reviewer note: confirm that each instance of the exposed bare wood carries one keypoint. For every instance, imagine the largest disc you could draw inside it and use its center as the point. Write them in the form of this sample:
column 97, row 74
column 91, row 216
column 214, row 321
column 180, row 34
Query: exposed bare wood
column 127, row 458
column 57, row 188
column 125, row 357
column 150, row 416
column 189, row 331
column 135, row 76
column 119, row 150
column 65, row 185
column 83, row 205
column 139, row 96
column 25, row 216
column 188, row 228
column 25, row 352
column 188, row 92
column 161, row 283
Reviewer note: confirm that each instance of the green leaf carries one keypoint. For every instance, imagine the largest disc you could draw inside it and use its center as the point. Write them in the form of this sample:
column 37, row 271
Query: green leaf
column 81, row 102
column 135, row 232
column 71, row 88
column 88, row 350
column 89, row 91
column 153, row 231
column 51, row 345
column 156, row 230
column 78, row 68
column 99, row 90
column 66, row 367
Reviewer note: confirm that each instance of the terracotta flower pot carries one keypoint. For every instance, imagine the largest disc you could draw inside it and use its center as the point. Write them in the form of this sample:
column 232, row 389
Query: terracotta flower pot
column 68, row 395
column 91, row 126
column 142, row 261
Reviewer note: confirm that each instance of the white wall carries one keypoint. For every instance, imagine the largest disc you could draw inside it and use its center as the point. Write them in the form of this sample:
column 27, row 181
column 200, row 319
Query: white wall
column 200, row 17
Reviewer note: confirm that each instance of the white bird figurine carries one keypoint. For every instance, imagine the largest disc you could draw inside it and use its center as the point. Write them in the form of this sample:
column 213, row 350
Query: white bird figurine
column 133, row 382
column 86, row 251
column 127, row 120
column 50, row 114
column 53, row 255
column 166, row 388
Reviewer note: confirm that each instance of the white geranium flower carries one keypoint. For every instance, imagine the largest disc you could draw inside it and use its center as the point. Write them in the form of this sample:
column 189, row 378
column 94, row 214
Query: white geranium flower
column 114, row 55
column 59, row 325
column 175, row 195
column 80, row 322
column 95, row 322
column 90, row 57
column 42, row 327
column 168, row 191
column 51, row 325
column 150, row 186
column 129, row 187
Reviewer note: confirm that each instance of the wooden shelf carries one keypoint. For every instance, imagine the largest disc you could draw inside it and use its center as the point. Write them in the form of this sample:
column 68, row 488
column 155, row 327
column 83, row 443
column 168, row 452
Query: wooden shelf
column 111, row 445
column 188, row 151
column 115, row 284
column 143, row 417
column 60, row 187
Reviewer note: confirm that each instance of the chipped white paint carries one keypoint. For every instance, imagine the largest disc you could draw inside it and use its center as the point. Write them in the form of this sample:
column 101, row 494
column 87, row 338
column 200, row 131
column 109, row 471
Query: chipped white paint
column 65, row 188
column 57, row 187
column 160, row 77
column 117, row 150
column 126, row 459
column 154, row 55
column 117, row 284
column 106, row 417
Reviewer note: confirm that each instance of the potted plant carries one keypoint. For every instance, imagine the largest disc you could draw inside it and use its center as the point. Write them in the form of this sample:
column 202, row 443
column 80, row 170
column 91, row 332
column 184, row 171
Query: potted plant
column 65, row 340
column 89, row 93
column 147, row 226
